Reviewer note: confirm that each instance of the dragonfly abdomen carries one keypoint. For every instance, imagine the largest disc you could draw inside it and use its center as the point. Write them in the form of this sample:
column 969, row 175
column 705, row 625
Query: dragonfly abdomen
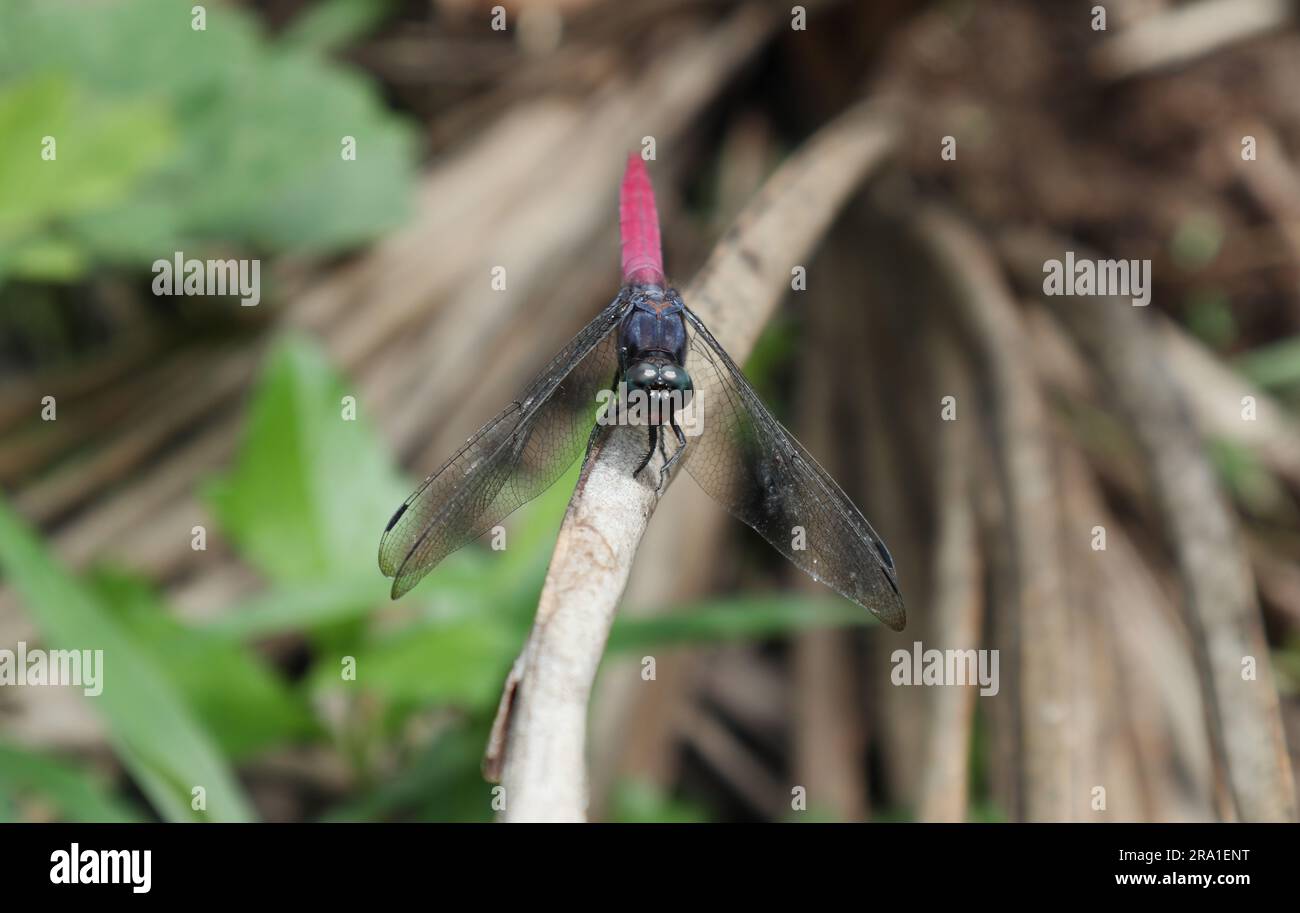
column 638, row 222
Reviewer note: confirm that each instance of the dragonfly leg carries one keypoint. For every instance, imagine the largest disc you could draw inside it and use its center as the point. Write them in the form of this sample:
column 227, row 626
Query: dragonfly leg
column 681, row 441
column 663, row 452
column 654, row 442
column 681, row 447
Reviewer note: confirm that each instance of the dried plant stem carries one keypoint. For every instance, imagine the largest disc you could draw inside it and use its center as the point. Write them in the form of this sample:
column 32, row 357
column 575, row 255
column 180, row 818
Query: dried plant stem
column 544, row 769
column 538, row 741
column 1026, row 474
column 1186, row 32
column 828, row 724
column 1222, row 614
column 956, row 607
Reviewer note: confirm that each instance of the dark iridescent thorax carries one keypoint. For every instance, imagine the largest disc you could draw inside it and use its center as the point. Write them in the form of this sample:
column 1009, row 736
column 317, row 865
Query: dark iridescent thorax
column 654, row 325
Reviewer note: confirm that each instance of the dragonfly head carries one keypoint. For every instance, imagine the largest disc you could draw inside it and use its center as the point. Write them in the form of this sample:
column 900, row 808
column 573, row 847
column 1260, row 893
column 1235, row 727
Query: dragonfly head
column 660, row 379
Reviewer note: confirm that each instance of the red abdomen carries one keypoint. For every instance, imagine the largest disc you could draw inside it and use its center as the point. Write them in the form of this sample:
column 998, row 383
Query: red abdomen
column 638, row 222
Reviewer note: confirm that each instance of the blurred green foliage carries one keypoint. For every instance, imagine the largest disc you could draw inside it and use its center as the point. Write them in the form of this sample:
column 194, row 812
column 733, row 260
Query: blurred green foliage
column 1275, row 366
column 154, row 730
column 159, row 148
column 333, row 23
column 638, row 802
column 1248, row 480
column 106, row 148
column 1209, row 317
column 304, row 502
column 1196, row 241
column 283, row 504
column 67, row 791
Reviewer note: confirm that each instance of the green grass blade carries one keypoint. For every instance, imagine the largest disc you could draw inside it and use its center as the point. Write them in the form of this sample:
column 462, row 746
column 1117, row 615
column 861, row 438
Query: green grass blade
column 165, row 748
column 746, row 618
column 72, row 791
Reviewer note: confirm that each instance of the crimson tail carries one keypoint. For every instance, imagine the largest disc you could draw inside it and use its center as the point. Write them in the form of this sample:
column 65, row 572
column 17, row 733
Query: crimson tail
column 638, row 222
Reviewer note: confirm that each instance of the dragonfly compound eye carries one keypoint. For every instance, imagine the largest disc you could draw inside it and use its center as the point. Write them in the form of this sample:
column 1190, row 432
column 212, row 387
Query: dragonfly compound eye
column 674, row 377
column 643, row 374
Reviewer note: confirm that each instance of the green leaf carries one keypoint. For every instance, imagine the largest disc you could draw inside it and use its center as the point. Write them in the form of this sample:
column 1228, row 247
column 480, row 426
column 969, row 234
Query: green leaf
column 334, row 23
column 171, row 138
column 298, row 607
column 639, row 802
column 45, row 259
column 311, row 491
column 444, row 782
column 461, row 662
column 156, row 734
column 1274, row 365
column 236, row 696
column 466, row 583
column 75, row 793
column 101, row 151
column 745, row 618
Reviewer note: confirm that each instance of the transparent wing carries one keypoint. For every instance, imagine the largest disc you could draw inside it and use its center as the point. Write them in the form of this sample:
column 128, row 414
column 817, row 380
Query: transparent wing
column 511, row 460
column 750, row 464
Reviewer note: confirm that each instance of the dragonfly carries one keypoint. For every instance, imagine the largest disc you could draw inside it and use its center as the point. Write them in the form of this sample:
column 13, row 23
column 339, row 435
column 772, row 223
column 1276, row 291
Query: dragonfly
column 647, row 342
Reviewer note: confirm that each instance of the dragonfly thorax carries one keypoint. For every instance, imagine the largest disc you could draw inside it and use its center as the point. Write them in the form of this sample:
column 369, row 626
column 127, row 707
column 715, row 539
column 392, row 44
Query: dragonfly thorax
column 654, row 328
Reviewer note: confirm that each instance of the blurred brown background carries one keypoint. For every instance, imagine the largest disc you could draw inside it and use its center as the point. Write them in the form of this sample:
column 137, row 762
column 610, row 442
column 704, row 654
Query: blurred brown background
column 1161, row 670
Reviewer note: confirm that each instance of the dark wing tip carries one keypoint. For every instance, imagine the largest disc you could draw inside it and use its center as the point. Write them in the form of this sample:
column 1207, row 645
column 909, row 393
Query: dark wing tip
column 385, row 560
column 392, row 521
